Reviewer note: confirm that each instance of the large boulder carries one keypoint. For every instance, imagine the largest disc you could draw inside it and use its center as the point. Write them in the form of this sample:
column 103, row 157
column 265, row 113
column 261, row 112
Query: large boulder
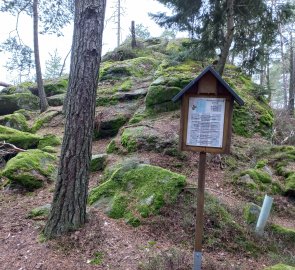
column 30, row 169
column 20, row 139
column 137, row 67
column 16, row 120
column 134, row 191
column 17, row 101
column 170, row 79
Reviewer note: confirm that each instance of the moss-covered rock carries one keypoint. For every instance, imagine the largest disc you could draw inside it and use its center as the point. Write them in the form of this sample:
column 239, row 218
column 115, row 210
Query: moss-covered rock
column 170, row 79
column 112, row 147
column 98, row 162
column 256, row 115
column 30, row 169
column 39, row 212
column 149, row 139
column 110, row 126
column 132, row 190
column 55, row 87
column 43, row 118
column 49, row 140
column 16, row 120
column 20, row 139
column 280, row 266
column 14, row 102
column 137, row 67
column 56, row 100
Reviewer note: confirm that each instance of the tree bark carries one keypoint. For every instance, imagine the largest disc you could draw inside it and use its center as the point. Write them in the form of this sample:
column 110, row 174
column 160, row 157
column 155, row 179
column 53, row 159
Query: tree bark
column 41, row 92
column 292, row 80
column 119, row 24
column 228, row 38
column 283, row 66
column 70, row 197
column 133, row 36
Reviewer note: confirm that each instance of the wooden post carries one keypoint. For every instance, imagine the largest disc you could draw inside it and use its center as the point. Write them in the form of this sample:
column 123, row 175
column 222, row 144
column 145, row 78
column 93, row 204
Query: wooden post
column 200, row 213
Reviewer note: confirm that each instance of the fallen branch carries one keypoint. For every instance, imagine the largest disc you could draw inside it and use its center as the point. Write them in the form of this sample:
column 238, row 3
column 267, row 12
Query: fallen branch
column 5, row 84
column 8, row 149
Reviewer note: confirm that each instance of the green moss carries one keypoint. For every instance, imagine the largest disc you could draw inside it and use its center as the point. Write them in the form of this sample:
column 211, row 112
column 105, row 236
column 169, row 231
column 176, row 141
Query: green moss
column 138, row 67
column 49, row 140
column 261, row 164
column 21, row 139
column 112, row 147
column 14, row 102
column 137, row 117
column 148, row 189
column 49, row 149
column 56, row 100
column 15, row 120
column 41, row 211
column 159, row 98
column 55, row 87
column 243, row 121
column 42, row 119
column 98, row 258
column 110, row 128
column 30, row 169
column 290, row 184
column 128, row 138
column 251, row 213
column 98, row 162
column 280, row 266
column 119, row 205
column 126, row 85
column 106, row 100
column 258, row 175
column 282, row 232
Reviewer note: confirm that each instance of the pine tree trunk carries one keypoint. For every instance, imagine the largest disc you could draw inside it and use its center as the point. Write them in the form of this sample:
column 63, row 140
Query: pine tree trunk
column 119, row 24
column 292, row 80
column 133, row 36
column 283, row 67
column 69, row 203
column 41, row 91
column 228, row 38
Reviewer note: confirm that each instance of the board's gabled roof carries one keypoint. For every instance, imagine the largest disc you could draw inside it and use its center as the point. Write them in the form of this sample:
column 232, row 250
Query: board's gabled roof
column 218, row 77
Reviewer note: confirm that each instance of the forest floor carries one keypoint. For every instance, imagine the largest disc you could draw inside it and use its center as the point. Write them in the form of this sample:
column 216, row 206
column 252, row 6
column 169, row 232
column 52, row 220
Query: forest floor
column 105, row 243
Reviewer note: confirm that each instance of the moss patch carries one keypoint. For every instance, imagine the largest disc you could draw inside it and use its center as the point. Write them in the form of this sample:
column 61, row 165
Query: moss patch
column 137, row 67
column 280, row 266
column 110, row 127
column 43, row 119
column 21, row 139
column 14, row 102
column 30, row 169
column 49, row 140
column 98, row 162
column 15, row 120
column 40, row 212
column 137, row 190
column 283, row 233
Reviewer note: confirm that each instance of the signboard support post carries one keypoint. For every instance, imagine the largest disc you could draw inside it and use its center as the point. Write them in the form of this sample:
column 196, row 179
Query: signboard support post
column 200, row 213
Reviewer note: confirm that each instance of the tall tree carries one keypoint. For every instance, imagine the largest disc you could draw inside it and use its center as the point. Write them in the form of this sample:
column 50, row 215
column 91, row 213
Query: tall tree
column 292, row 78
column 223, row 25
column 53, row 14
column 69, row 203
column 41, row 92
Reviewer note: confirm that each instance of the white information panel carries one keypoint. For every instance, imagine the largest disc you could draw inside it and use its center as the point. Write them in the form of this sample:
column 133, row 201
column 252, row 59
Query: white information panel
column 205, row 122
